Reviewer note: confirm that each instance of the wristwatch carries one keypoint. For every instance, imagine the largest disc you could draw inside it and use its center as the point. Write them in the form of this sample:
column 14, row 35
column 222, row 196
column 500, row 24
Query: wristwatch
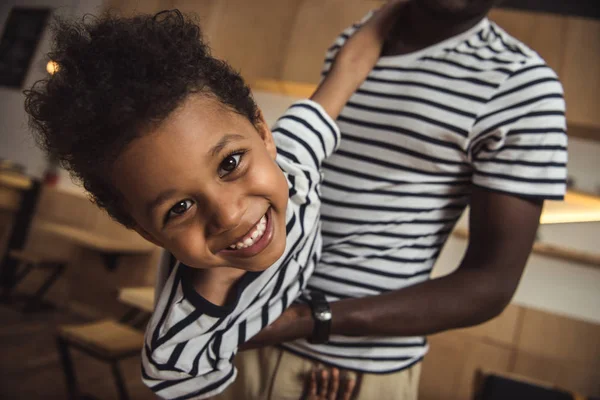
column 321, row 313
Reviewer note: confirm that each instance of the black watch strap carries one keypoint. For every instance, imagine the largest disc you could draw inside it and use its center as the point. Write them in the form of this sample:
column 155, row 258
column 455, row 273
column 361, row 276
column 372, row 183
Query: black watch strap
column 321, row 313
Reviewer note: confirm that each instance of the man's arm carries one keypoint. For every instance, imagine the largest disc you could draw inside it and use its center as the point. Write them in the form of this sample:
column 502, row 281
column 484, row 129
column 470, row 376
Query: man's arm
column 502, row 230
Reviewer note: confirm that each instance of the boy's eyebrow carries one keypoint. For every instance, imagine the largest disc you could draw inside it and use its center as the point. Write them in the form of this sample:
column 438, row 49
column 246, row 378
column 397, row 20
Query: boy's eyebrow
column 161, row 198
column 223, row 142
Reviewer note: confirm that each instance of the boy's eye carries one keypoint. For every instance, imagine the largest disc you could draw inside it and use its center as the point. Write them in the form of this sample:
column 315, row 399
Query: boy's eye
column 229, row 164
column 180, row 208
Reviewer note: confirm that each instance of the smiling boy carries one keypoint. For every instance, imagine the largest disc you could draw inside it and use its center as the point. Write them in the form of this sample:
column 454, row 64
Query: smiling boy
column 170, row 142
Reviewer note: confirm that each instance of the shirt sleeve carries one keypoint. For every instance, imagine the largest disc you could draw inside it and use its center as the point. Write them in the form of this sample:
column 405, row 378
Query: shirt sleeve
column 306, row 135
column 518, row 144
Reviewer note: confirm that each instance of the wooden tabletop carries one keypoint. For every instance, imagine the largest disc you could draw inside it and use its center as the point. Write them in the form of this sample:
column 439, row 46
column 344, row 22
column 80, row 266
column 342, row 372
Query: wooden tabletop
column 95, row 241
column 576, row 207
column 15, row 181
column 140, row 297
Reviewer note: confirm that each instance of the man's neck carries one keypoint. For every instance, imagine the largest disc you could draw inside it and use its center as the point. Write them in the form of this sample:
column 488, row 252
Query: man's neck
column 417, row 29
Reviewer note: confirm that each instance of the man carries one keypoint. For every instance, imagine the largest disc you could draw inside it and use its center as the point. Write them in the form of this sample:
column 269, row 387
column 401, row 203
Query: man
column 455, row 113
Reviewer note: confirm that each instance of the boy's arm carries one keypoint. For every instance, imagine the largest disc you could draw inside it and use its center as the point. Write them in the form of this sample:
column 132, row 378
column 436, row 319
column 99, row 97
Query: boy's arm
column 355, row 60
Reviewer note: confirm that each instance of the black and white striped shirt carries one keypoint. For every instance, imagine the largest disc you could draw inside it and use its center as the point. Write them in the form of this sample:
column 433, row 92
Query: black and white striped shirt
column 479, row 109
column 190, row 343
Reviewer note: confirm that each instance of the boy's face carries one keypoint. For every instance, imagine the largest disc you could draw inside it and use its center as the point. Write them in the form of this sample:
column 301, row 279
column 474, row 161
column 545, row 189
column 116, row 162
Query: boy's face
column 204, row 185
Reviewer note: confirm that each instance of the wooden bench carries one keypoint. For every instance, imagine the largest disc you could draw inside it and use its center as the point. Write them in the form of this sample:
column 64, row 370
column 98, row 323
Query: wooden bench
column 105, row 340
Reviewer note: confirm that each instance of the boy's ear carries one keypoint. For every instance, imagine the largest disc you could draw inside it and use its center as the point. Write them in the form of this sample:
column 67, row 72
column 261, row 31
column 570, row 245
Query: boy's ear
column 265, row 133
column 146, row 235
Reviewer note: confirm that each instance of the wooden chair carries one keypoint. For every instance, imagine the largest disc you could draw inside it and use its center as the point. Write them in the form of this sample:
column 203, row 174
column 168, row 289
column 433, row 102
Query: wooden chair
column 27, row 262
column 491, row 385
column 105, row 340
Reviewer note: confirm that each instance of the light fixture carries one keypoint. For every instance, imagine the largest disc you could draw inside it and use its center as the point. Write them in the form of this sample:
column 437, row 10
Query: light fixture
column 52, row 67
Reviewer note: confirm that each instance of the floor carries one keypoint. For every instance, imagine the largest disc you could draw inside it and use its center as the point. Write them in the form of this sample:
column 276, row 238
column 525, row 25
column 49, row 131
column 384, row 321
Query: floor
column 30, row 368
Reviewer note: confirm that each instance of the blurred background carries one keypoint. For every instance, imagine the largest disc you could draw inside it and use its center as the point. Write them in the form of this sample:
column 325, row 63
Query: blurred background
column 77, row 287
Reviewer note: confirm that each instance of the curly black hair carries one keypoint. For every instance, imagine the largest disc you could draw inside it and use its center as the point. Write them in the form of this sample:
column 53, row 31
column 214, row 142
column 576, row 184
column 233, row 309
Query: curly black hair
column 116, row 79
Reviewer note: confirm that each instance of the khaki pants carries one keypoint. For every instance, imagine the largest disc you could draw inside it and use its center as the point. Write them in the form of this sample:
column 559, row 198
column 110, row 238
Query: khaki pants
column 272, row 373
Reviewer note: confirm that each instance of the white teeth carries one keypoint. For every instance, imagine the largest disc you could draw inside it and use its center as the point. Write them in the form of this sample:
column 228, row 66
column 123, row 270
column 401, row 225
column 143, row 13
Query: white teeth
column 254, row 236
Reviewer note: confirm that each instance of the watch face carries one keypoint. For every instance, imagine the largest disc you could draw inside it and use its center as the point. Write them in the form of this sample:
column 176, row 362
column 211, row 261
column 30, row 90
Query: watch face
column 324, row 315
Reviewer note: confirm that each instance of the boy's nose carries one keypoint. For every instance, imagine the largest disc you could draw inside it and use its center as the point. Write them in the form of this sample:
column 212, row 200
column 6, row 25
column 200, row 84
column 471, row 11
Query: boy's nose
column 226, row 215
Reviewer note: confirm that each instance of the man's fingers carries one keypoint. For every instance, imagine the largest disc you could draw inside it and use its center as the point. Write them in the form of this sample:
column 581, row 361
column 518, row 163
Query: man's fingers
column 347, row 389
column 324, row 384
column 312, row 386
column 334, row 384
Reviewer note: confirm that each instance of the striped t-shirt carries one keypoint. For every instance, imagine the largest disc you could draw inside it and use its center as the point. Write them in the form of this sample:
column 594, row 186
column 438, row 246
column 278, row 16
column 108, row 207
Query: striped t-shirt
column 479, row 109
column 190, row 343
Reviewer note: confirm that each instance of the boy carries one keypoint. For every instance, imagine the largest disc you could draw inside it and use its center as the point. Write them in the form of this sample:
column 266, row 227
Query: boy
column 169, row 141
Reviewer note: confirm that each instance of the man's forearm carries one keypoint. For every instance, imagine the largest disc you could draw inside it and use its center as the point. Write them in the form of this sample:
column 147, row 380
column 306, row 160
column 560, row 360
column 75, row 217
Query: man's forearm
column 466, row 297
column 502, row 230
column 460, row 299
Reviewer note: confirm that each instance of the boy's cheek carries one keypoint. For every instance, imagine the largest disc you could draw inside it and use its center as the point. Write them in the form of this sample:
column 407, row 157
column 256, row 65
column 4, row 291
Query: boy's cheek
column 187, row 247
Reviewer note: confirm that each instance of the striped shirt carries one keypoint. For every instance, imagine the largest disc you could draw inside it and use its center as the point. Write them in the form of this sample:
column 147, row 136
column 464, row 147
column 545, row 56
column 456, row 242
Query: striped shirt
column 479, row 109
column 190, row 343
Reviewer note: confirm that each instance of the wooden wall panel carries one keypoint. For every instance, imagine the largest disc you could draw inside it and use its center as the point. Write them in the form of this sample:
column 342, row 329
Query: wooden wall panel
column 129, row 7
column 202, row 9
column 316, row 26
column 544, row 33
column 580, row 74
column 558, row 350
column 442, row 367
column 449, row 368
column 502, row 330
column 251, row 35
column 553, row 336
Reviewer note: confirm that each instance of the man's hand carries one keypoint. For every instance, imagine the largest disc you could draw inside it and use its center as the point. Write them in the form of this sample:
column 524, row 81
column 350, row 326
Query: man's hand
column 295, row 323
column 325, row 385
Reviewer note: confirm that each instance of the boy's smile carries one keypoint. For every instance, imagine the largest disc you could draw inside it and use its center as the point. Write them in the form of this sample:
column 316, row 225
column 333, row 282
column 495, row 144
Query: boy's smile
column 254, row 241
column 204, row 185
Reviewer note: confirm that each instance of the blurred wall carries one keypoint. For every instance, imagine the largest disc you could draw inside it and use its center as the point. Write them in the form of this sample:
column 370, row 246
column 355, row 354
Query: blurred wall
column 275, row 39
column 15, row 140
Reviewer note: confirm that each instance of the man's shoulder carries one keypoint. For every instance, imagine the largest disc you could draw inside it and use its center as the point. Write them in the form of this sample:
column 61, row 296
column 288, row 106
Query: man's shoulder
column 487, row 49
column 494, row 48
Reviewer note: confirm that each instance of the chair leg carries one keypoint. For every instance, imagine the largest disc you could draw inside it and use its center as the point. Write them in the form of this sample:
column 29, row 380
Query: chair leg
column 36, row 300
column 23, row 270
column 67, row 364
column 130, row 315
column 119, row 381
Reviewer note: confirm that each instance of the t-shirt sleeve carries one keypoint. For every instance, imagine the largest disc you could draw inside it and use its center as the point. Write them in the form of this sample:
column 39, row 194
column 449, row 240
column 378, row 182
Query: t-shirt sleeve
column 306, row 135
column 519, row 143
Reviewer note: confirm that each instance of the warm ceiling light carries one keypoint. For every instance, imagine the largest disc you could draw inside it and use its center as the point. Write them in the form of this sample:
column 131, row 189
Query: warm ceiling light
column 51, row 67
